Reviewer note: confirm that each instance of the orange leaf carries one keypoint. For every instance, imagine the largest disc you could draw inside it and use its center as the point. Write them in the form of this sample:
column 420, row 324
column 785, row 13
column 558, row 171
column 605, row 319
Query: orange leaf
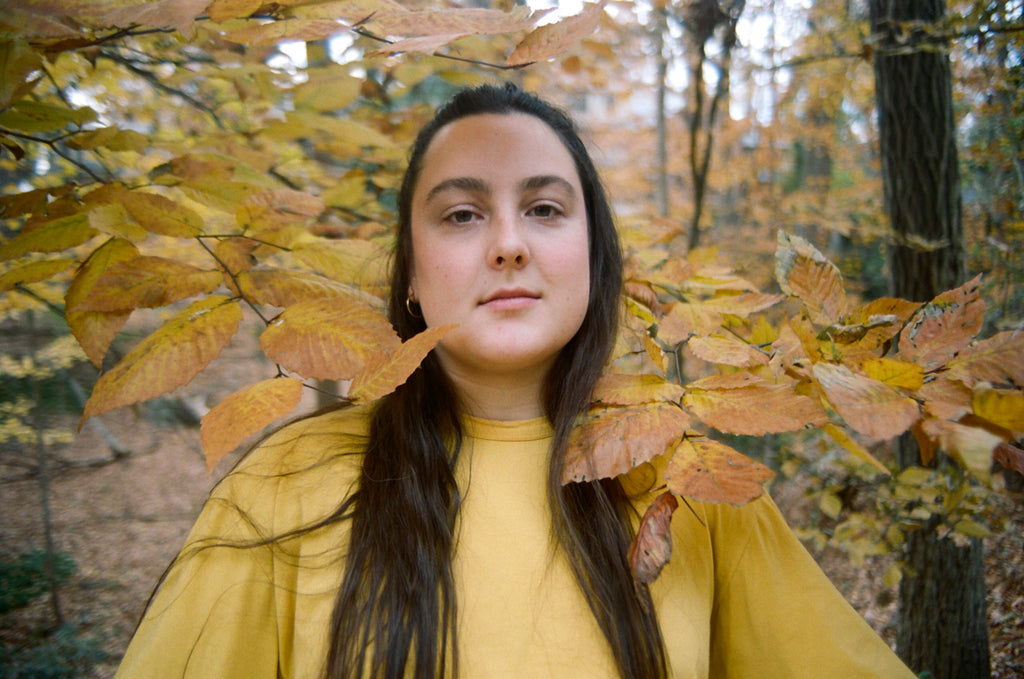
column 424, row 44
column 328, row 338
column 1010, row 456
column 651, row 549
column 284, row 288
column 972, row 447
column 550, row 40
column 168, row 358
column 644, row 294
column 95, row 330
column 684, row 320
column 387, row 371
column 632, row 390
column 222, row 10
column 742, row 305
column 305, row 30
column 753, row 410
column 611, row 441
column 246, row 412
column 868, row 406
column 236, row 254
column 161, row 215
column 727, row 351
column 945, row 398
column 999, row 359
column 277, row 208
column 52, row 236
column 870, row 316
column 34, row 271
column 805, row 273
column 177, row 14
column 944, row 326
column 146, row 282
column 709, row 471
column 474, row 21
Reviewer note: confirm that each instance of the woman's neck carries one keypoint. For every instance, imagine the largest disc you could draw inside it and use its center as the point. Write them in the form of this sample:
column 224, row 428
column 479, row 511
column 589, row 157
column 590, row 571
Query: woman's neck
column 506, row 398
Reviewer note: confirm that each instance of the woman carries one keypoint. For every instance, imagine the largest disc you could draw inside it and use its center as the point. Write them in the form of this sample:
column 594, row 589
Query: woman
column 430, row 535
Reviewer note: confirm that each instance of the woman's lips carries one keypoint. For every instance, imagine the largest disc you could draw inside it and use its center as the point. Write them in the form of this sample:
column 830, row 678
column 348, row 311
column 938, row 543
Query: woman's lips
column 510, row 300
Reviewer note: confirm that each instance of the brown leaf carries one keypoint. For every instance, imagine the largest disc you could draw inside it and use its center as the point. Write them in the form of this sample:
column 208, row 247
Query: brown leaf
column 644, row 294
column 944, row 326
column 387, row 371
column 709, row 471
column 611, row 441
column 147, row 282
column 727, row 351
column 161, row 215
column 328, row 338
column 95, row 330
column 651, row 549
column 274, row 32
column 550, row 40
column 177, row 14
column 168, row 358
column 632, row 390
column 753, row 410
column 222, row 10
column 876, row 410
column 998, row 359
column 246, row 412
column 805, row 273
column 742, row 304
column 17, row 62
column 1010, row 456
column 945, row 398
column 52, row 236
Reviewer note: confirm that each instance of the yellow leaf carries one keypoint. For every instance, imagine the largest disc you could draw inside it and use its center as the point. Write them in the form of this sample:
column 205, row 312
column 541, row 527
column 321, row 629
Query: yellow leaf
column 95, row 330
column 353, row 261
column 896, row 373
column 1001, row 407
column 830, row 505
column 550, row 40
column 871, row 317
column 631, row 389
column 727, row 351
column 114, row 220
column 892, row 576
column 709, row 471
column 35, row 271
column 388, row 371
column 971, row 529
column 327, row 90
column 328, row 338
column 611, row 441
column 944, row 326
column 349, row 133
column 147, row 282
column 161, row 215
column 18, row 61
column 168, row 358
column 803, row 272
column 246, row 412
column 843, row 439
column 34, row 117
column 685, row 319
column 52, row 236
column 110, row 138
column 876, row 410
column 753, row 410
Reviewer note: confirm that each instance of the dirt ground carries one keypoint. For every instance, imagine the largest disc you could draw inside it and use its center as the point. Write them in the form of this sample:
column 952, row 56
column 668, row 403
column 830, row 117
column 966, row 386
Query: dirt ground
column 123, row 521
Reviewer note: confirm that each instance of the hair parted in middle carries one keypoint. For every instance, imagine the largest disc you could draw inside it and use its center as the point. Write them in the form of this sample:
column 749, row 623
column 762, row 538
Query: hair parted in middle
column 397, row 601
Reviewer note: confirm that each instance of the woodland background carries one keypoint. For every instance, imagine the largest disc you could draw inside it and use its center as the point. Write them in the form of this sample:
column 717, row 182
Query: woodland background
column 197, row 200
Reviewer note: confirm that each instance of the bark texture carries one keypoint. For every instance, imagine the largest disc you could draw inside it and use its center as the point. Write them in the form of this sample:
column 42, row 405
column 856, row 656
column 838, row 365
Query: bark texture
column 942, row 628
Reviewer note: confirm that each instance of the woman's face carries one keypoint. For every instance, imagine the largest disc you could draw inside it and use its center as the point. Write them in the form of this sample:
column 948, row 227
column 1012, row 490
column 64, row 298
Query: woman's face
column 500, row 246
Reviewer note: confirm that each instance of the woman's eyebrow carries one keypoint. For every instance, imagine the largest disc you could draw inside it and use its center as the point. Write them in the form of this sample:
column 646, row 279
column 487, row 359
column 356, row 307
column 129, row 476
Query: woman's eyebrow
column 471, row 184
column 545, row 180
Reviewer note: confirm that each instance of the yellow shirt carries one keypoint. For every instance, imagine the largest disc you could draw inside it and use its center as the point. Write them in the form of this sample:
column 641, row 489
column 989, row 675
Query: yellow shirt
column 739, row 598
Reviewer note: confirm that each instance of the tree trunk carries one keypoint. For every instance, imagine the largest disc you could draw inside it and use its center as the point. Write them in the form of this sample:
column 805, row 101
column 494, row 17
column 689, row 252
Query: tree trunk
column 942, row 626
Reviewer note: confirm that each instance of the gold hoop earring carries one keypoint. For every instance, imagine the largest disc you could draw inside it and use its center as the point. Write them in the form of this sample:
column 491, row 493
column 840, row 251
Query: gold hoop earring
column 408, row 307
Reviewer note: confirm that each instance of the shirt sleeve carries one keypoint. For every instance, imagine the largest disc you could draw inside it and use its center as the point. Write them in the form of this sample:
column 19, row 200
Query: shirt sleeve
column 776, row 614
column 214, row 613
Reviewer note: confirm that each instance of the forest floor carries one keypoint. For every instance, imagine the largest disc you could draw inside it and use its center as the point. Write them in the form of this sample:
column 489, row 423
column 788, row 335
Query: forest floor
column 123, row 520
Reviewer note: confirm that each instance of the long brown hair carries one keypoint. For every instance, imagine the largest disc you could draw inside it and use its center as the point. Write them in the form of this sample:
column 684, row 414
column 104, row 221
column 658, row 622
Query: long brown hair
column 397, row 607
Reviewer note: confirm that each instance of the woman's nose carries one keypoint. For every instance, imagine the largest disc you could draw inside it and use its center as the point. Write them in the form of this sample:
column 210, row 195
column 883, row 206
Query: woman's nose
column 508, row 248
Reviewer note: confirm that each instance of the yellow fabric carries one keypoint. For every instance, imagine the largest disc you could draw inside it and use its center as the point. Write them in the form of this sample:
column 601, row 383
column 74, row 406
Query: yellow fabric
column 740, row 597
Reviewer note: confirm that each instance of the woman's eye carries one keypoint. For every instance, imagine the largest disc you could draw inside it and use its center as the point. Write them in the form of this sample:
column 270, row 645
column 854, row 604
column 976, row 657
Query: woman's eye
column 461, row 217
column 544, row 211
